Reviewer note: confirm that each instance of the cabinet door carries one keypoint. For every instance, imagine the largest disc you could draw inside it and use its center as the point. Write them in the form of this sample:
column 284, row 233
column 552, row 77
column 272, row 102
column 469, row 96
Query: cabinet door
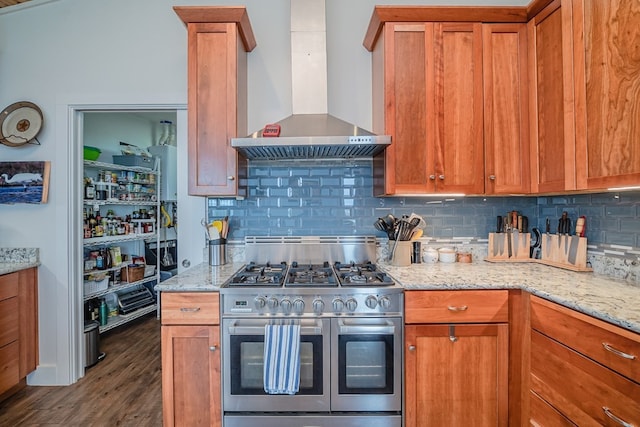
column 403, row 108
column 607, row 77
column 506, row 121
column 456, row 375
column 217, row 107
column 552, row 110
column 191, row 376
column 458, row 96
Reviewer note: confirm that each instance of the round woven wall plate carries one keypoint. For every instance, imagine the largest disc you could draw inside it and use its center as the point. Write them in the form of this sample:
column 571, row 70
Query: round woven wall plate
column 20, row 123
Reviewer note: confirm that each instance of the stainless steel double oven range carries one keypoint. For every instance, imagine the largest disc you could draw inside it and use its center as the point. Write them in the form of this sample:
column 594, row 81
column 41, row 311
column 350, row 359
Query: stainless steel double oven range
column 351, row 334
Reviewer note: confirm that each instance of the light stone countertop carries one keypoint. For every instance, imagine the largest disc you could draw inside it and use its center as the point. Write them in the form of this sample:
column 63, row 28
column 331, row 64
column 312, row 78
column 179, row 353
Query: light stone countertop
column 16, row 259
column 612, row 300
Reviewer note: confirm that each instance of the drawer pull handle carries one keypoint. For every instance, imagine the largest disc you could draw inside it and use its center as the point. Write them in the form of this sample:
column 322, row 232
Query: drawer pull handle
column 618, row 352
column 619, row 420
column 190, row 309
column 459, row 308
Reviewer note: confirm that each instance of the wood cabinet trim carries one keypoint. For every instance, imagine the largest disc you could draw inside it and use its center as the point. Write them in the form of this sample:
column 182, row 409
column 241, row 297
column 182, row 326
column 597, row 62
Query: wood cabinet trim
column 384, row 14
column 220, row 14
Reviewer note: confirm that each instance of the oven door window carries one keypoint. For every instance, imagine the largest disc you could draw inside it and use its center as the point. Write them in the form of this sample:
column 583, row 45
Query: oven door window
column 365, row 364
column 247, row 354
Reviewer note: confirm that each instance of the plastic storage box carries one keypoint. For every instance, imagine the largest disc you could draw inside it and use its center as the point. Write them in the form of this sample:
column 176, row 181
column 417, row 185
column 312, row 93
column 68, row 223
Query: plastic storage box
column 135, row 161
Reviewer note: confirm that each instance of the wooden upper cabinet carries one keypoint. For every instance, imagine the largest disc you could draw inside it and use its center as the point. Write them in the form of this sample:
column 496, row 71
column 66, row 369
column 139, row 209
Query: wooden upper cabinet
column 607, row 86
column 506, row 109
column 403, row 105
column 218, row 41
column 427, row 95
column 458, row 95
column 552, row 99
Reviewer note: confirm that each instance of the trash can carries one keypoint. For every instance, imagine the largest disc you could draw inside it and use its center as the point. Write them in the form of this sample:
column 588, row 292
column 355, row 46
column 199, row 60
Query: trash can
column 92, row 343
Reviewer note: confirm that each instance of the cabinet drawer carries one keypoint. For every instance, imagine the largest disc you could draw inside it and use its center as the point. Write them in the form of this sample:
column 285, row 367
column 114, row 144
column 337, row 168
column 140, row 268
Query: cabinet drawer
column 610, row 345
column 9, row 366
column 190, row 308
column 582, row 390
column 456, row 306
column 9, row 285
column 9, row 331
column 543, row 414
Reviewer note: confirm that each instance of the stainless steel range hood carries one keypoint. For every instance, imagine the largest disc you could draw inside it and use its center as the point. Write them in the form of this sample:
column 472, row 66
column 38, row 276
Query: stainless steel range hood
column 310, row 133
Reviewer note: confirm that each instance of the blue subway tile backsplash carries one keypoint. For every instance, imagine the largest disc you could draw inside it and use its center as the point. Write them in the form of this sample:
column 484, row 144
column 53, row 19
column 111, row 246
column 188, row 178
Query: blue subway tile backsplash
column 336, row 198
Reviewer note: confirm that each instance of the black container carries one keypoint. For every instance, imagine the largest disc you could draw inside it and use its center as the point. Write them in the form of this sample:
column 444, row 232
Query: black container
column 416, row 253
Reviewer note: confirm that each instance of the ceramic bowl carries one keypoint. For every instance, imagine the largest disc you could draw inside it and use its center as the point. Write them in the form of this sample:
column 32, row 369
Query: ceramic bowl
column 447, row 255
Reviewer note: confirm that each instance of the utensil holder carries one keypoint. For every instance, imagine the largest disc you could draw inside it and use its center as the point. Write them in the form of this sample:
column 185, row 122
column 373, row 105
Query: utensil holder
column 402, row 255
column 217, row 252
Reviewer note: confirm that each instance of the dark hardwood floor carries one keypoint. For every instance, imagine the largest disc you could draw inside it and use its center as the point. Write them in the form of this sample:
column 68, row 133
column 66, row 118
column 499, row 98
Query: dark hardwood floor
column 124, row 389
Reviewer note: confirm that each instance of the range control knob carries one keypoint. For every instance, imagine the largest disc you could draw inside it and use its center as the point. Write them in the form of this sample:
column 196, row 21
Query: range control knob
column 351, row 304
column 272, row 303
column 318, row 306
column 384, row 302
column 298, row 305
column 371, row 301
column 286, row 305
column 260, row 302
column 338, row 305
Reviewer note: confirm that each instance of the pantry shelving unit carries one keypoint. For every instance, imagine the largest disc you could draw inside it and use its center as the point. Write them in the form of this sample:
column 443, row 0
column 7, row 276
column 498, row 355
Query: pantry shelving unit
column 131, row 188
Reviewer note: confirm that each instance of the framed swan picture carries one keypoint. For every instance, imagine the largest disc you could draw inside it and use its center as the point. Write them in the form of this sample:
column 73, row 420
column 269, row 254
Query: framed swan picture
column 24, row 182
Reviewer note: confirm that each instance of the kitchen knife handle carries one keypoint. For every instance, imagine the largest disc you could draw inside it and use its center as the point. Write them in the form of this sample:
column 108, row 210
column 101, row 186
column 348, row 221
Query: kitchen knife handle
column 499, row 224
column 548, row 226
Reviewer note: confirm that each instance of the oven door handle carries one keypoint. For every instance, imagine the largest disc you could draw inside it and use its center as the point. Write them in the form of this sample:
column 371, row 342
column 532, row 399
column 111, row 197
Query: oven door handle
column 366, row 328
column 236, row 329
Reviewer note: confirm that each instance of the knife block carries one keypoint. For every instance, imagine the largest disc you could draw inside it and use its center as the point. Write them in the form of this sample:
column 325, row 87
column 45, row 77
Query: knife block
column 561, row 250
column 500, row 244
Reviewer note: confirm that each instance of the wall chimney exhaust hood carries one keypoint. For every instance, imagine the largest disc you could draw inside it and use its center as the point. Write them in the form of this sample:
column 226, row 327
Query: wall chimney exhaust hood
column 310, row 133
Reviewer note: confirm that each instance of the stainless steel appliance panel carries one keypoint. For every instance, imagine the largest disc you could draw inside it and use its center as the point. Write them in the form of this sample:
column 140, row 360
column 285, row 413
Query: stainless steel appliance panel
column 366, row 363
column 305, row 420
column 243, row 364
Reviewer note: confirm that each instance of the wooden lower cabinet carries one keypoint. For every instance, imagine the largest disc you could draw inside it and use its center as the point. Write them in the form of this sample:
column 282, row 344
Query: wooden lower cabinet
column 18, row 329
column 585, row 369
column 456, row 373
column 191, row 394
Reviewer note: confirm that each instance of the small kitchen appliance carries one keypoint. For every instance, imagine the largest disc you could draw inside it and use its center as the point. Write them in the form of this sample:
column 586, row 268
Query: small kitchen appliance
column 350, row 317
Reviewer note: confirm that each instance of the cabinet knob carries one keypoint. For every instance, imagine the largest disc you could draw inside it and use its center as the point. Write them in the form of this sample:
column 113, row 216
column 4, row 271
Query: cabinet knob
column 441, row 177
column 412, row 348
column 231, row 178
column 213, row 348
column 492, row 177
column 432, row 177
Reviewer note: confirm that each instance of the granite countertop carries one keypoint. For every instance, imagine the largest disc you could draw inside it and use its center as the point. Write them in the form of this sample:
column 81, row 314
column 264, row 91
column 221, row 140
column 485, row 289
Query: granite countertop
column 612, row 300
column 16, row 259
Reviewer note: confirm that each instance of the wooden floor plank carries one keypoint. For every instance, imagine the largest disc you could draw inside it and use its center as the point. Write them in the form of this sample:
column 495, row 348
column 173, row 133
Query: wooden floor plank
column 124, row 389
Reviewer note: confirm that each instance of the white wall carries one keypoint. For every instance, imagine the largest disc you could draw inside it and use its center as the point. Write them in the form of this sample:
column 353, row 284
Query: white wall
column 68, row 53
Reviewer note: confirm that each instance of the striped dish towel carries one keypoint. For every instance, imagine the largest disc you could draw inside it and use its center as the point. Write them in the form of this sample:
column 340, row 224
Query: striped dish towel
column 282, row 358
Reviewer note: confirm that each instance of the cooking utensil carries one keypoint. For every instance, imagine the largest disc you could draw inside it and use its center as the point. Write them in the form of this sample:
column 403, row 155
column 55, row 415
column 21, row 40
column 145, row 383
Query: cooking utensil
column 573, row 249
column 416, row 234
column 581, row 226
column 535, row 248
